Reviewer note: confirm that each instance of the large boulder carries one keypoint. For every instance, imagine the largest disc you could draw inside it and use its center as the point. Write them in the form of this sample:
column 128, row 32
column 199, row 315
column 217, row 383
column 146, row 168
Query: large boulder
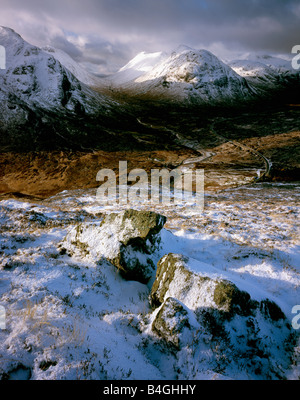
column 206, row 314
column 174, row 323
column 175, row 278
column 127, row 239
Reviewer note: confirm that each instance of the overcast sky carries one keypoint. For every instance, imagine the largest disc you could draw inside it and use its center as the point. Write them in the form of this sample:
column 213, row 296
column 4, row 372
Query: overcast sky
column 105, row 34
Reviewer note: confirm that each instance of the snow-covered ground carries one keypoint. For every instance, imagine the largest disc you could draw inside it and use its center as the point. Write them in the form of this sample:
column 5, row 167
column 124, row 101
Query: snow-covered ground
column 75, row 318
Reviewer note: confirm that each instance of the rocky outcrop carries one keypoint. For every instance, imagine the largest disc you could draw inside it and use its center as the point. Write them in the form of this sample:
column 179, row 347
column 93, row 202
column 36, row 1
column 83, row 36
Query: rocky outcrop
column 128, row 240
column 175, row 278
column 213, row 313
column 174, row 322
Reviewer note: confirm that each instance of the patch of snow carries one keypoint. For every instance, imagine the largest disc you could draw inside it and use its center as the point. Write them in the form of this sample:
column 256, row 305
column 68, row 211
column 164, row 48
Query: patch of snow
column 76, row 69
column 142, row 63
column 74, row 318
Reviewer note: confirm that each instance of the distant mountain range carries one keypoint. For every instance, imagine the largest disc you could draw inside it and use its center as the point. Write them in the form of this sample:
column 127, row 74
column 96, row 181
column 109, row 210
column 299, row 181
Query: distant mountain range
column 44, row 91
column 196, row 76
column 199, row 77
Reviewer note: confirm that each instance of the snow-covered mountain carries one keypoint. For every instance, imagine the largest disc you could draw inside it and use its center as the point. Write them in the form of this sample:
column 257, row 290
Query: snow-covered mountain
column 198, row 76
column 77, row 70
column 264, row 71
column 35, row 79
column 138, row 66
column 278, row 64
column 44, row 106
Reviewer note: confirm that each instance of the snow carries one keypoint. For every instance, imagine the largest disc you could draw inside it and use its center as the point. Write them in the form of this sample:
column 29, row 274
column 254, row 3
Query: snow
column 75, row 318
column 76, row 69
column 185, row 74
column 263, row 71
column 36, row 78
column 274, row 62
column 136, row 67
column 198, row 76
column 249, row 68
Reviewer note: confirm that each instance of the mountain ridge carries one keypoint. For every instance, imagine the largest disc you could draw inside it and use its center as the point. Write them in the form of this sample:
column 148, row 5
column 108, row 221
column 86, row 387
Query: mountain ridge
column 198, row 77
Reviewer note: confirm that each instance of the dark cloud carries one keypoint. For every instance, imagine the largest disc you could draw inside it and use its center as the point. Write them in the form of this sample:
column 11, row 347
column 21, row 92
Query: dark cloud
column 110, row 32
column 62, row 43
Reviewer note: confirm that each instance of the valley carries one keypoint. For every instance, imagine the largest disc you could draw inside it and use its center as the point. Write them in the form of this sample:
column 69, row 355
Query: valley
column 233, row 150
column 93, row 290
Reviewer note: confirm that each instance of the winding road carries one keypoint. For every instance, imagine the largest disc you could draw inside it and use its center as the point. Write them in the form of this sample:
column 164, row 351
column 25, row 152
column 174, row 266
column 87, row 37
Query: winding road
column 266, row 161
column 204, row 154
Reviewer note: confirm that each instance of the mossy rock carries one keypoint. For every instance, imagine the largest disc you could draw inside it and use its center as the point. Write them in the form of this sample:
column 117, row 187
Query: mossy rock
column 171, row 321
column 128, row 240
column 136, row 227
column 165, row 272
column 229, row 298
column 133, row 264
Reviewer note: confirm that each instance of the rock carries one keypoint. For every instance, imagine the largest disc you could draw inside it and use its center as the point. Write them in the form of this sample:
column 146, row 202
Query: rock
column 172, row 322
column 226, row 321
column 136, row 227
column 128, row 240
column 230, row 299
column 175, row 278
column 165, row 273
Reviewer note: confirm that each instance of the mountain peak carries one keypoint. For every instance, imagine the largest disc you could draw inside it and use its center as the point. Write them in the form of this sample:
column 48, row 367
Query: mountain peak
column 5, row 29
column 34, row 79
column 8, row 34
column 181, row 48
column 187, row 74
column 143, row 61
column 68, row 62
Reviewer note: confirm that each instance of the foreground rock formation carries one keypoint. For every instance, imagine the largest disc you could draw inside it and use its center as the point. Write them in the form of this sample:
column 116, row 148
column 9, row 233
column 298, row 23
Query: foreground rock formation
column 193, row 312
column 196, row 310
column 127, row 240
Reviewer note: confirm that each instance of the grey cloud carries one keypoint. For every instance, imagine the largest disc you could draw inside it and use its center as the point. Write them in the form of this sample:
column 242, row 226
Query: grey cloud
column 62, row 43
column 115, row 30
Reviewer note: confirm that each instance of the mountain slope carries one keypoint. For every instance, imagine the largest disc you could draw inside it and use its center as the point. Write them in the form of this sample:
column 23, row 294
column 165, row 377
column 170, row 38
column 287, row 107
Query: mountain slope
column 255, row 72
column 79, row 72
column 189, row 76
column 138, row 66
column 277, row 64
column 40, row 80
column 43, row 105
column 192, row 76
column 265, row 72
